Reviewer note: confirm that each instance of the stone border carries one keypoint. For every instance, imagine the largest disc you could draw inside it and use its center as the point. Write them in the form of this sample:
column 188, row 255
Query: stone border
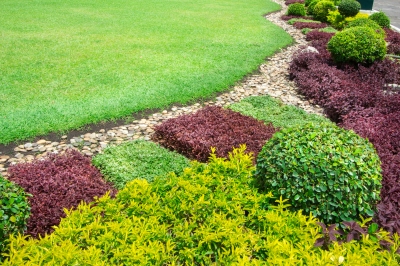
column 272, row 79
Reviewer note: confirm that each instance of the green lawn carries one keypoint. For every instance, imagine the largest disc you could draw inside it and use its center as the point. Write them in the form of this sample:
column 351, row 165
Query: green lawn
column 67, row 63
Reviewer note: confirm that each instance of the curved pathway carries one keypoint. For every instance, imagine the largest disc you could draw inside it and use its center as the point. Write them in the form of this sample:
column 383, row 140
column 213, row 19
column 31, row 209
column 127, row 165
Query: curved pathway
column 272, row 80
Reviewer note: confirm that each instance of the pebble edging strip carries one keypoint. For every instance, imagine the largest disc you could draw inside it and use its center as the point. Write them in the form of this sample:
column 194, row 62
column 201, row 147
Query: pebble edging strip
column 272, row 79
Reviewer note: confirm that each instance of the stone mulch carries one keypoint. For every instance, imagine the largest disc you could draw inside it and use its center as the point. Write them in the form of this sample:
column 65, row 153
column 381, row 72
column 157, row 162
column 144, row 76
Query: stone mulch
column 272, row 80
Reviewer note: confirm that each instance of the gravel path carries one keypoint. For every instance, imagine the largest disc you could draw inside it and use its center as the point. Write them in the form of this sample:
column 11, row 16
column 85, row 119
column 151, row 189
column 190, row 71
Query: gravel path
column 272, row 80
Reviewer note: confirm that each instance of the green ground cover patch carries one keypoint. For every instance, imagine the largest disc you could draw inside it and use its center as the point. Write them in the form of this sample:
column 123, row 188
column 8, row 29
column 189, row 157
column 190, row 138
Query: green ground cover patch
column 273, row 111
column 138, row 159
column 65, row 64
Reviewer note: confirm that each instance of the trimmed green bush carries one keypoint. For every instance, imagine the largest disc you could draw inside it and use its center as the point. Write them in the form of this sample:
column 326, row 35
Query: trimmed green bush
column 357, row 45
column 138, row 159
column 323, row 169
column 209, row 215
column 14, row 211
column 296, row 9
column 365, row 22
column 321, row 10
column 270, row 110
column 307, row 2
column 381, row 18
column 349, row 8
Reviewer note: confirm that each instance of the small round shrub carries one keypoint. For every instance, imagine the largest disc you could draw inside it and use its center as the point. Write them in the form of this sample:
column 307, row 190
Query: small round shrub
column 381, row 19
column 365, row 22
column 310, row 9
column 349, row 8
column 323, row 169
column 321, row 10
column 296, row 9
column 14, row 211
column 307, row 2
column 357, row 45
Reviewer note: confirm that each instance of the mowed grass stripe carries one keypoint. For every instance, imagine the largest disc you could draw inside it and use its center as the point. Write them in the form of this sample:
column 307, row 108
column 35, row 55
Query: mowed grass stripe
column 65, row 64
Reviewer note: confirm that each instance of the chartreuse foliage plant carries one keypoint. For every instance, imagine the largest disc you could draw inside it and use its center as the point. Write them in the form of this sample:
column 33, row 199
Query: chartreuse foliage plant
column 339, row 21
column 66, row 64
column 323, row 169
column 14, row 211
column 270, row 110
column 365, row 22
column 357, row 45
column 138, row 159
column 209, row 215
column 322, row 8
column 381, row 18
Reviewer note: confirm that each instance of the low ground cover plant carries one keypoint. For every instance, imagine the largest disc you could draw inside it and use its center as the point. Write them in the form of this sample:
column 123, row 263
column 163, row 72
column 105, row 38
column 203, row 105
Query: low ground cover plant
column 323, row 169
column 270, row 110
column 289, row 2
column 210, row 214
column 137, row 159
column 393, row 39
column 194, row 135
column 55, row 183
column 310, row 25
column 14, row 212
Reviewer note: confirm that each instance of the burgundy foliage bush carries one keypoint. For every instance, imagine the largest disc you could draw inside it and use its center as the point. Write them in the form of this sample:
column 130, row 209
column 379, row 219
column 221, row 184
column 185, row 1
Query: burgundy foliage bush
column 393, row 38
column 316, row 35
column 57, row 182
column 289, row 17
column 311, row 25
column 361, row 98
column 289, row 2
column 193, row 135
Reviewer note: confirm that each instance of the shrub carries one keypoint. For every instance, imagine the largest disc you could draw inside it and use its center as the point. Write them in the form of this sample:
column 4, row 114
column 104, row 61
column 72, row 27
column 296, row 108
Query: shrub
column 349, row 8
column 381, row 19
column 319, row 35
column 137, row 159
column 323, row 169
column 359, row 15
column 296, row 9
column 286, row 17
column 357, row 45
column 365, row 22
column 310, row 25
column 336, row 19
column 307, row 2
column 311, row 5
column 393, row 39
column 194, row 135
column 321, row 10
column 209, row 215
column 270, row 110
column 14, row 211
column 58, row 182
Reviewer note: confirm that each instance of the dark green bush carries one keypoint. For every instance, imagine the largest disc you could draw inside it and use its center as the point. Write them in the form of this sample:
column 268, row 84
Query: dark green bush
column 322, row 8
column 381, row 19
column 349, row 8
column 310, row 9
column 323, row 169
column 138, row 159
column 357, row 45
column 307, row 2
column 14, row 211
column 365, row 22
column 296, row 9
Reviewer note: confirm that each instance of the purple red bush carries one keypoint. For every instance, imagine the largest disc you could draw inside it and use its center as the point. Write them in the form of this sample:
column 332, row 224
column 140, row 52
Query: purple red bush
column 315, row 35
column 288, row 17
column 193, row 135
column 289, row 2
column 311, row 25
column 393, row 39
column 57, row 182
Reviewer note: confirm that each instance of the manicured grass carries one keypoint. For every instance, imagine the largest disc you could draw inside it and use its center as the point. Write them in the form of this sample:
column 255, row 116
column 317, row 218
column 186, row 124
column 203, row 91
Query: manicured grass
column 65, row 64
column 271, row 110
column 138, row 160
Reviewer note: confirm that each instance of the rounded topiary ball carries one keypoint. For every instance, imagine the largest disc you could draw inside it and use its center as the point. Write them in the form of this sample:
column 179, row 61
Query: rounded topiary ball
column 296, row 9
column 365, row 22
column 14, row 210
column 381, row 19
column 357, row 45
column 323, row 169
column 321, row 10
column 349, row 8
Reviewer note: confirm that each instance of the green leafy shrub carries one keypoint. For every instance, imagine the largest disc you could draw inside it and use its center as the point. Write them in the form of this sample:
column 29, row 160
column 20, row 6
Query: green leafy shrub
column 357, row 45
column 307, row 2
column 296, row 9
column 349, row 8
column 138, row 159
column 294, row 20
column 14, row 211
column 381, row 18
column 310, row 8
column 321, row 10
column 365, row 22
column 336, row 19
column 209, row 215
column 323, row 169
column 270, row 110
column 328, row 30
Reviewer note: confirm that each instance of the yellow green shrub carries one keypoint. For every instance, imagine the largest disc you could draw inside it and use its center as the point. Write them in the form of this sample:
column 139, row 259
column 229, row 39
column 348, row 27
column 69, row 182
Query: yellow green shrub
column 209, row 215
column 339, row 21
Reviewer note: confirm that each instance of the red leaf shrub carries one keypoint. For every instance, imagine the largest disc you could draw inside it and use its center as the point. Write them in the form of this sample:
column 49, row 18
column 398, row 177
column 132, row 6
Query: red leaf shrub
column 57, row 182
column 289, row 17
column 194, row 135
column 315, row 35
column 311, row 25
column 289, row 2
column 393, row 38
